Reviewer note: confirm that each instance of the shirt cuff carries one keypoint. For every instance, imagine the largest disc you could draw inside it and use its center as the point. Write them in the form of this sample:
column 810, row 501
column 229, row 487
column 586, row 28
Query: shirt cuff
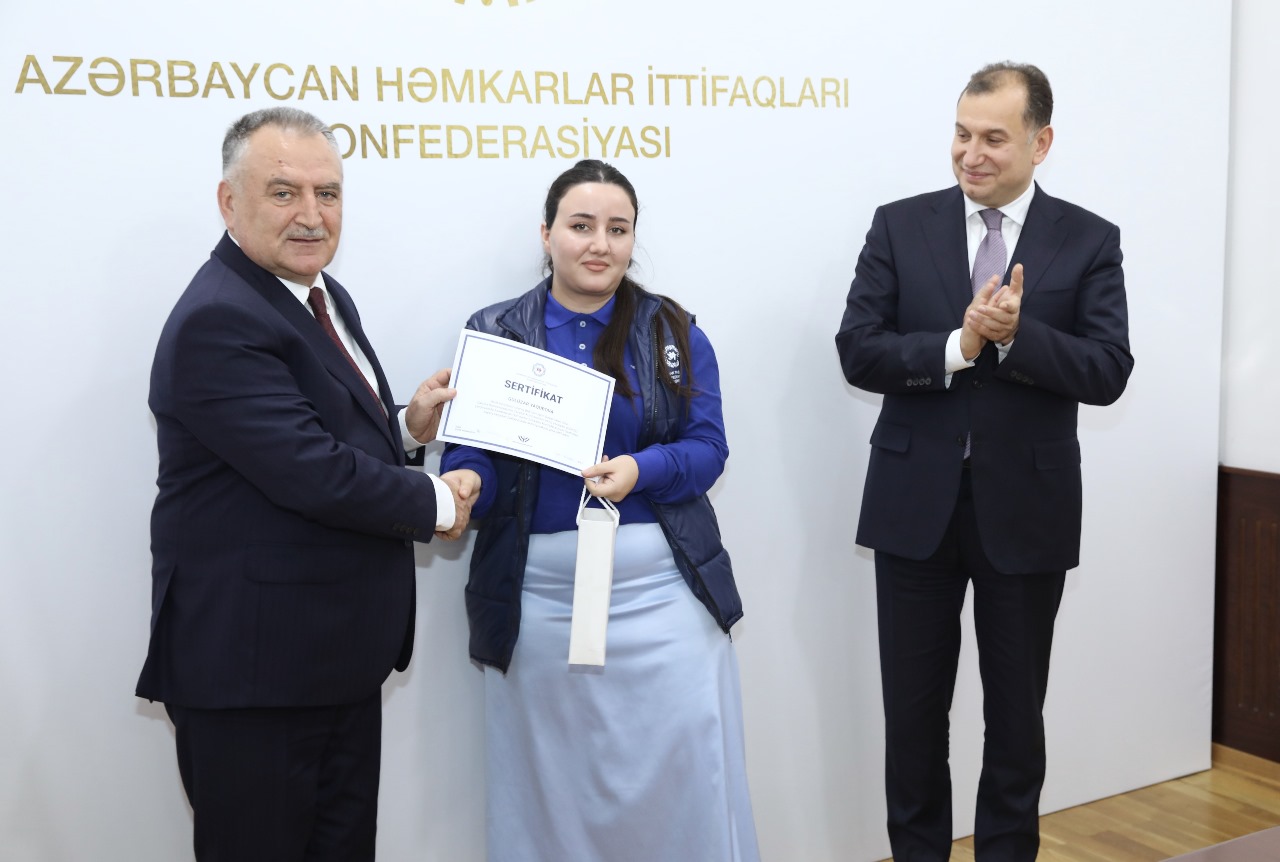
column 446, row 513
column 407, row 440
column 954, row 359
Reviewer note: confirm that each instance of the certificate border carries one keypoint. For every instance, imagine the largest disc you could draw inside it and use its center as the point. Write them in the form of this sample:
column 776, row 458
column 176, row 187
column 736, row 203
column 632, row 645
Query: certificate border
column 469, row 335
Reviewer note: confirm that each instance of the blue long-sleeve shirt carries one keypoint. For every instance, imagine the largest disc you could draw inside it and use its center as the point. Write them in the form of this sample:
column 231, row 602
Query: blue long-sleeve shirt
column 669, row 472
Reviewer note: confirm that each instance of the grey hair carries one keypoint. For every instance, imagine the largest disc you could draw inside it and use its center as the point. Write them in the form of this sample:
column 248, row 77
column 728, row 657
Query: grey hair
column 288, row 119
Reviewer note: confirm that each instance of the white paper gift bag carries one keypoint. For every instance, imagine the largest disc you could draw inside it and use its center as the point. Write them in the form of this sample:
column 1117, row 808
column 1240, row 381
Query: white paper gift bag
column 592, row 581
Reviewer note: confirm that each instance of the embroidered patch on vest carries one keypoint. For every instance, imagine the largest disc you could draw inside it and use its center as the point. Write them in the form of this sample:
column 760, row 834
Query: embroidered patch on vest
column 672, row 357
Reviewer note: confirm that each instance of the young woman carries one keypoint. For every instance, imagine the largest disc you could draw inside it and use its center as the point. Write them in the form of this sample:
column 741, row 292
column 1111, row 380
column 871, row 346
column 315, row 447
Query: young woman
column 641, row 759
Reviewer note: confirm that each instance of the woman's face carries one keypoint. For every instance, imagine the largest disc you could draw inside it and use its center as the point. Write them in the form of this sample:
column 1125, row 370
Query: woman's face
column 590, row 245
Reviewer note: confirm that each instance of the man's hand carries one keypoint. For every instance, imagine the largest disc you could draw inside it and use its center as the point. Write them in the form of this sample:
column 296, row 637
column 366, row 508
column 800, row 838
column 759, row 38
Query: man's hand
column 465, row 485
column 617, row 477
column 422, row 416
column 996, row 319
column 971, row 340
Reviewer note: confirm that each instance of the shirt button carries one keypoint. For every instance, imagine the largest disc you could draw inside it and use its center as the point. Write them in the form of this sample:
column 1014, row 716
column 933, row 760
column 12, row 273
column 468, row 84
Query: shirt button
column 582, row 347
column 582, row 323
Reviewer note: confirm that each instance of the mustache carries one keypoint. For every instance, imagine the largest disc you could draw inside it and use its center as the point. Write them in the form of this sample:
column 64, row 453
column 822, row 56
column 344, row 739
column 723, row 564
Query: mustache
column 307, row 233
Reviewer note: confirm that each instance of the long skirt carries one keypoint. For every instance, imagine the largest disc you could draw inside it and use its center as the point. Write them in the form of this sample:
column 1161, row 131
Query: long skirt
column 640, row 760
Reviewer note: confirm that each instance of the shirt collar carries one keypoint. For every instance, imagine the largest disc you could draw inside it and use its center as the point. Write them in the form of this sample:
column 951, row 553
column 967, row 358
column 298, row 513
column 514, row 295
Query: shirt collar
column 302, row 293
column 557, row 315
column 1015, row 209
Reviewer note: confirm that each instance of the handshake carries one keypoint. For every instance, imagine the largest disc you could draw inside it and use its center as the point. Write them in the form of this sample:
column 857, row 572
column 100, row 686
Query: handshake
column 422, row 419
column 465, row 485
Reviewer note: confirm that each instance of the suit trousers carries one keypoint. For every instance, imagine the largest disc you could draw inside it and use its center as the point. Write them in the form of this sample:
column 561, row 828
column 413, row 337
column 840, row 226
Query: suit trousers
column 290, row 784
column 918, row 606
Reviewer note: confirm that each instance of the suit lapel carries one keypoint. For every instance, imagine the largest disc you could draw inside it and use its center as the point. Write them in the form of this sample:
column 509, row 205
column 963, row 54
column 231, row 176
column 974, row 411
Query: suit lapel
column 347, row 309
column 944, row 233
column 275, row 293
column 1042, row 236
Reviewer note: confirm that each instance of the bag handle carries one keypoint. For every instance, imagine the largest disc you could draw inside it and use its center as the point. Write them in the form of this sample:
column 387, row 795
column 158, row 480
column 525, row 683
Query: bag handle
column 587, row 498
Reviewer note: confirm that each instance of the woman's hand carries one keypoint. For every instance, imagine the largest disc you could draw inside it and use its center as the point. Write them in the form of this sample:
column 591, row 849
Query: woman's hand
column 617, row 476
column 465, row 485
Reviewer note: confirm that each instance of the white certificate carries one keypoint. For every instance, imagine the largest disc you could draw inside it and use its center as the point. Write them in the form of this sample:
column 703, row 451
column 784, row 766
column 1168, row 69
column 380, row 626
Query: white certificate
column 522, row 401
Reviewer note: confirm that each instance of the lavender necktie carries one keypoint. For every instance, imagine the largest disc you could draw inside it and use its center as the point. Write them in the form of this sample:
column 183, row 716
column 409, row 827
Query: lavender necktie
column 991, row 258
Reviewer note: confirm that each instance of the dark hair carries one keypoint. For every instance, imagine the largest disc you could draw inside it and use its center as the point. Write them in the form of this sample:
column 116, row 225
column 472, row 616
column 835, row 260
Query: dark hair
column 608, row 355
column 1039, row 110
column 236, row 140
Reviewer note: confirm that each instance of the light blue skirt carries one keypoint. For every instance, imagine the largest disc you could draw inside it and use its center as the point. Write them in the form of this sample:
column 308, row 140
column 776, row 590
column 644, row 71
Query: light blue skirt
column 637, row 761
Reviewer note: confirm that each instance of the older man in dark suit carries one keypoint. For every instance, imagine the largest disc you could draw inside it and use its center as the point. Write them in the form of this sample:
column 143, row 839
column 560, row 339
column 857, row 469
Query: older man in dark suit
column 282, row 534
column 985, row 314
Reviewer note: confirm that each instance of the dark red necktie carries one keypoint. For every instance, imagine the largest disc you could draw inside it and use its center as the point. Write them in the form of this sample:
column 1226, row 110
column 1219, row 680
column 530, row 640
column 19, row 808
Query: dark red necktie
column 316, row 300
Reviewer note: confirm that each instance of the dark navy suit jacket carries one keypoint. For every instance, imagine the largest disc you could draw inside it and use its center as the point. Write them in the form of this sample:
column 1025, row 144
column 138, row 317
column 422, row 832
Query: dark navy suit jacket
column 910, row 291
column 282, row 533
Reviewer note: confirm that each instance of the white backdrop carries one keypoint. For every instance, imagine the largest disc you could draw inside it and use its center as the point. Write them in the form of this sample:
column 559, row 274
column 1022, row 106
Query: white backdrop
column 1251, row 352
column 751, row 216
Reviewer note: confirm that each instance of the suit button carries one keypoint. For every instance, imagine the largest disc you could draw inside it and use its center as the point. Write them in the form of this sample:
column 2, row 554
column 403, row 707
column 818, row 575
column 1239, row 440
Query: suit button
column 928, row 381
column 960, row 440
column 977, row 384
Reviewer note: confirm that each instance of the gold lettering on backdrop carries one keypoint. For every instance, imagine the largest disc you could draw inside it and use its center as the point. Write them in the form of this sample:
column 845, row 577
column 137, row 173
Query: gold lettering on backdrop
column 687, row 90
column 546, row 82
column 245, row 79
column 367, row 139
column 215, row 71
column 182, row 72
column 519, row 88
column 352, row 87
column 462, row 90
column 61, row 87
column 502, row 87
column 444, row 87
column 32, row 74
column 311, row 84
column 422, row 85
column 182, row 79
column 138, row 77
column 96, row 78
column 268, row 77
column 493, row 141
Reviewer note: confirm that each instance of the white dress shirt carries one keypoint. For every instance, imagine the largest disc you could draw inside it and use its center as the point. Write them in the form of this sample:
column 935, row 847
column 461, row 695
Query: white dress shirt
column 1015, row 216
column 445, row 512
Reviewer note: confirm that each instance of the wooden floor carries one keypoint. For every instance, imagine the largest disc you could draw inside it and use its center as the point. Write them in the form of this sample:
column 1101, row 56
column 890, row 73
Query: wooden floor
column 1238, row 796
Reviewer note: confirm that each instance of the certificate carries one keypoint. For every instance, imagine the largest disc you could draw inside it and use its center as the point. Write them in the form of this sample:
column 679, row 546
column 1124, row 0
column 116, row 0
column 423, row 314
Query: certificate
column 522, row 401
